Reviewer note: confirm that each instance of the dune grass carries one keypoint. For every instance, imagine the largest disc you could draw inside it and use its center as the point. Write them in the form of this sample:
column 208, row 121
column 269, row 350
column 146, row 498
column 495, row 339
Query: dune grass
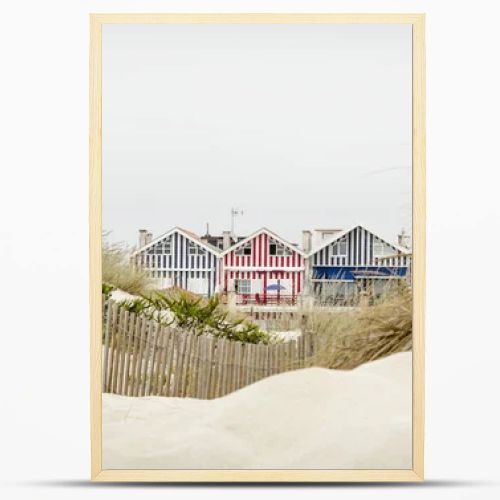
column 346, row 339
column 118, row 272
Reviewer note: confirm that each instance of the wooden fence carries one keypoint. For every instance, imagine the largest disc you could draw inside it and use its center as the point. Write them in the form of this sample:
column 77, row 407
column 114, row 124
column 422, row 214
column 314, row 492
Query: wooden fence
column 142, row 358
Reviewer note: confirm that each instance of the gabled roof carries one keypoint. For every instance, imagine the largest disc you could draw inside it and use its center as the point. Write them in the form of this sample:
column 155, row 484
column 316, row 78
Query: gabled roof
column 346, row 231
column 269, row 233
column 188, row 234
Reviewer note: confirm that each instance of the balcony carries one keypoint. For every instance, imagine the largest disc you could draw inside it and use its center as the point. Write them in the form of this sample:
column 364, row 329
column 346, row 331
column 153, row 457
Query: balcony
column 261, row 299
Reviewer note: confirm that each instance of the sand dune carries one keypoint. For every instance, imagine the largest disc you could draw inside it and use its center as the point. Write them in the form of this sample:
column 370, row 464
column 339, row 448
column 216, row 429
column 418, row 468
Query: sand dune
column 311, row 418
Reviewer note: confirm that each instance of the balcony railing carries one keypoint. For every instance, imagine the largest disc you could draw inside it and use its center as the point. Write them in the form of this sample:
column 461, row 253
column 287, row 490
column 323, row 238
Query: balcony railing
column 262, row 299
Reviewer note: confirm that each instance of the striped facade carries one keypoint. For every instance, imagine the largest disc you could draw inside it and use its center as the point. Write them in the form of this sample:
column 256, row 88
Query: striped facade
column 263, row 265
column 357, row 247
column 355, row 261
column 179, row 259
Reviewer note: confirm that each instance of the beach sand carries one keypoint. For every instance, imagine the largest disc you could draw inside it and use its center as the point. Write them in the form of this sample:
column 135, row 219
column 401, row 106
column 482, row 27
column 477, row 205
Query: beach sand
column 311, row 418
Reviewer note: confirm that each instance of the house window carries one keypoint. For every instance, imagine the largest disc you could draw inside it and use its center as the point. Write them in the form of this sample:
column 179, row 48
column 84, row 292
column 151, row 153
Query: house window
column 243, row 286
column 279, row 249
column 160, row 248
column 245, row 249
column 340, row 248
column 195, row 249
column 380, row 249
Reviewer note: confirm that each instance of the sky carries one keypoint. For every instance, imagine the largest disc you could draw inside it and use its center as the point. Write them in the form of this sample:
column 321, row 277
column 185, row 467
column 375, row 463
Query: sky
column 299, row 126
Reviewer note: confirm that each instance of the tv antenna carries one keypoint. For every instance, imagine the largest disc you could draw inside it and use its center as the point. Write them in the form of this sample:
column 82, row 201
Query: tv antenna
column 234, row 212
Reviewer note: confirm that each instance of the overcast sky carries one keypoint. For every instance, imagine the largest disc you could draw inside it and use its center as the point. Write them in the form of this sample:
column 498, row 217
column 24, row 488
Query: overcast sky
column 301, row 126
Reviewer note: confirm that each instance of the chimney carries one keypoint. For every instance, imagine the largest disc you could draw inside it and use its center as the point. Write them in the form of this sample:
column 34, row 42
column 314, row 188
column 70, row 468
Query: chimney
column 226, row 240
column 142, row 237
column 149, row 238
column 306, row 240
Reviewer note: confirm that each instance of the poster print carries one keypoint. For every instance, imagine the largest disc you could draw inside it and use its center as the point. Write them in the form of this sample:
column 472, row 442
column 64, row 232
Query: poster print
column 259, row 274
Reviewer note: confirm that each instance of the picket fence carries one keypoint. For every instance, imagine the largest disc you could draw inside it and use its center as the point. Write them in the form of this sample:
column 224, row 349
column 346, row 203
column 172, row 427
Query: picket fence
column 143, row 358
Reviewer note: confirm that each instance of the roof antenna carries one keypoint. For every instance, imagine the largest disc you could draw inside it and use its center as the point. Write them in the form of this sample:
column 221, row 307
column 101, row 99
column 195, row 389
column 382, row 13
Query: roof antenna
column 234, row 213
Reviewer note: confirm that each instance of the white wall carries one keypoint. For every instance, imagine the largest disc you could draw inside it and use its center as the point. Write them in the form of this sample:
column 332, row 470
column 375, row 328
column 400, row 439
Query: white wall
column 43, row 247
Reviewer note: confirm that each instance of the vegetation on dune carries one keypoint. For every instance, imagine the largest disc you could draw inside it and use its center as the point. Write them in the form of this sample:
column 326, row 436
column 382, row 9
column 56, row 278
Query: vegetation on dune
column 196, row 315
column 107, row 289
column 344, row 340
column 367, row 334
column 118, row 272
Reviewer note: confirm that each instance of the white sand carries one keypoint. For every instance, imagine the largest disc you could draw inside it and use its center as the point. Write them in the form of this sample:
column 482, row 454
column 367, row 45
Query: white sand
column 286, row 335
column 121, row 296
column 310, row 418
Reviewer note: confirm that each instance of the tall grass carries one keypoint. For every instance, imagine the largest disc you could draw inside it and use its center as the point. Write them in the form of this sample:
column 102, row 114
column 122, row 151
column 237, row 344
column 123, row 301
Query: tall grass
column 348, row 339
column 119, row 272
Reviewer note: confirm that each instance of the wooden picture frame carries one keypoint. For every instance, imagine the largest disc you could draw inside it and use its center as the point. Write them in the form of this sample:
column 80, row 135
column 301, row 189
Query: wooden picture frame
column 414, row 474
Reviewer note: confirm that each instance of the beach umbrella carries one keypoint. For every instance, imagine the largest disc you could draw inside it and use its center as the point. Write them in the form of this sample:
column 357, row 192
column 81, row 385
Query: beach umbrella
column 275, row 286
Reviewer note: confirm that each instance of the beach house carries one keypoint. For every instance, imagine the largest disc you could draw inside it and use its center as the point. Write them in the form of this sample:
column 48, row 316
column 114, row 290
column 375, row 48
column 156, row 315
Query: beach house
column 349, row 264
column 179, row 258
column 263, row 269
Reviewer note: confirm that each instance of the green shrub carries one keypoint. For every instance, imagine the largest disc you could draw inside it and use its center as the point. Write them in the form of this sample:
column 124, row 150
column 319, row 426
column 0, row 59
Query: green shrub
column 196, row 315
column 107, row 289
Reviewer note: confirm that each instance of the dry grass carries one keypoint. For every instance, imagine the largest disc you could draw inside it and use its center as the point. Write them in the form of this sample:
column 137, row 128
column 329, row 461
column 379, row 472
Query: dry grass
column 371, row 333
column 348, row 339
column 118, row 271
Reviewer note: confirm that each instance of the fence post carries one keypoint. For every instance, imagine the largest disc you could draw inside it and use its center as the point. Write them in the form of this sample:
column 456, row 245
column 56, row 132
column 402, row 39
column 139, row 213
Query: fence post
column 140, row 356
column 208, row 369
column 169, row 367
column 132, row 365
column 178, row 365
column 117, row 350
column 106, row 347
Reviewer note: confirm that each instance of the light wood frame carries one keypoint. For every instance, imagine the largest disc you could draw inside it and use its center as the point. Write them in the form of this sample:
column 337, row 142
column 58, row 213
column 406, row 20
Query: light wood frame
column 414, row 474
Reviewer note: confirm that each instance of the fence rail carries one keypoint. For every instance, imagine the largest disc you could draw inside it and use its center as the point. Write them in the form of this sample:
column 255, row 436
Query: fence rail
column 143, row 358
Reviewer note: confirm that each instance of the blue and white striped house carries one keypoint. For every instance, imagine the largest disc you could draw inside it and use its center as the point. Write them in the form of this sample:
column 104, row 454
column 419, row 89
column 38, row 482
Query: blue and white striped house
column 181, row 259
column 354, row 261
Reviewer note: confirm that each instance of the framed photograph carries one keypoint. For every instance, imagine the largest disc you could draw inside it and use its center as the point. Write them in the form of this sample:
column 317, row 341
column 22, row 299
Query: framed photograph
column 257, row 247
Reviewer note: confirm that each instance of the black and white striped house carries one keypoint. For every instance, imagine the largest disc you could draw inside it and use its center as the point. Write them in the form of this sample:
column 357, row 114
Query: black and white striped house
column 353, row 261
column 181, row 259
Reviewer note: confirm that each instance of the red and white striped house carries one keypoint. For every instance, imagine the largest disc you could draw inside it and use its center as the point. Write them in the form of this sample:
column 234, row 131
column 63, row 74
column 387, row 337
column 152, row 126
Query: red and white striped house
column 263, row 269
